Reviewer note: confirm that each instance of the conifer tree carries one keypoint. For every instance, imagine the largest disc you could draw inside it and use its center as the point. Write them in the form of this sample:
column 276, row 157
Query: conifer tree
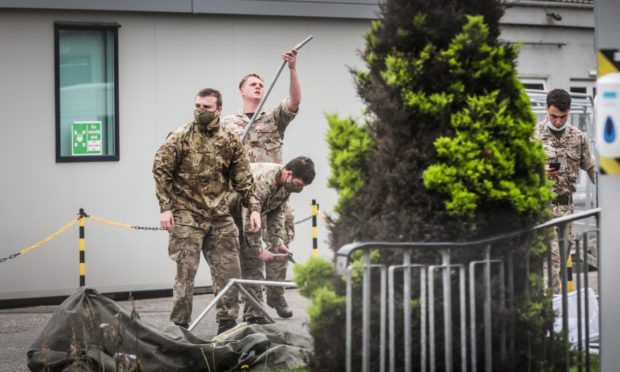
column 447, row 152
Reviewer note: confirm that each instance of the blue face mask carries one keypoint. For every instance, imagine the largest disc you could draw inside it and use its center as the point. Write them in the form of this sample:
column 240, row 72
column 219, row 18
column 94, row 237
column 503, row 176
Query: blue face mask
column 550, row 126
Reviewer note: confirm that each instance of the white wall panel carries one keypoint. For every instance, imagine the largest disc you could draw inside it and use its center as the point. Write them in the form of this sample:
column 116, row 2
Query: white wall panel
column 163, row 60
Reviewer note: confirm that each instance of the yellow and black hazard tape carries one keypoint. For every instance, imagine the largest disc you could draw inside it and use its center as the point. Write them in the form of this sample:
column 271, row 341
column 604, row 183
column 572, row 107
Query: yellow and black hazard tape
column 41, row 242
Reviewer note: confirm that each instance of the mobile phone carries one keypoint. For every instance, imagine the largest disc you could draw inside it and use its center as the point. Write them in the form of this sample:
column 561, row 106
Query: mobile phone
column 555, row 165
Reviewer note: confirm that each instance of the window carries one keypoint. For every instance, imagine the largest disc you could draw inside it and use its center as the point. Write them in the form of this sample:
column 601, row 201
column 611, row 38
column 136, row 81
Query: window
column 534, row 84
column 86, row 69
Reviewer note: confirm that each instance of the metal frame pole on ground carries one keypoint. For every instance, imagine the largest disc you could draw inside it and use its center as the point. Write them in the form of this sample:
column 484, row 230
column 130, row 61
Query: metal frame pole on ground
column 239, row 283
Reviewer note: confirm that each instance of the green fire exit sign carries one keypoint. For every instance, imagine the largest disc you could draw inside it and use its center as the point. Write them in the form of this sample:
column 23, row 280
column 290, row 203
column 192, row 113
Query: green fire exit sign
column 86, row 138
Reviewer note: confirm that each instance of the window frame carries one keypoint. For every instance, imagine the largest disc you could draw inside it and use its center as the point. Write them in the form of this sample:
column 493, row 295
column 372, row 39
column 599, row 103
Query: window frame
column 113, row 27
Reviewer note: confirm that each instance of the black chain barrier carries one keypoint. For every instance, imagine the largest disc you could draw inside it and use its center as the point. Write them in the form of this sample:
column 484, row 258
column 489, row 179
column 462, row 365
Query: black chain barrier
column 304, row 220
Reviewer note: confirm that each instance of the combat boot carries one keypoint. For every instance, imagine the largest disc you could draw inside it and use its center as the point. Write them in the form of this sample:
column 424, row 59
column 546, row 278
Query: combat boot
column 225, row 325
column 281, row 306
column 182, row 325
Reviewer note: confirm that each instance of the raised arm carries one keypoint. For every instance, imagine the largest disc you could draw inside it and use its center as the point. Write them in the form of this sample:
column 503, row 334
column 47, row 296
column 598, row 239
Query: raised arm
column 294, row 94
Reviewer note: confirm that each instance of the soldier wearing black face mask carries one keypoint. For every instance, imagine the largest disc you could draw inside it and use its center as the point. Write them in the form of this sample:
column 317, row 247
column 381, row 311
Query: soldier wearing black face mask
column 194, row 170
column 274, row 185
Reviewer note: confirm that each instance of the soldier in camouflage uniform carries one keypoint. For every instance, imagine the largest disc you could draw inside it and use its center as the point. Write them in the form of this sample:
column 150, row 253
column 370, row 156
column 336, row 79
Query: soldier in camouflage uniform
column 193, row 170
column 274, row 185
column 263, row 144
column 568, row 146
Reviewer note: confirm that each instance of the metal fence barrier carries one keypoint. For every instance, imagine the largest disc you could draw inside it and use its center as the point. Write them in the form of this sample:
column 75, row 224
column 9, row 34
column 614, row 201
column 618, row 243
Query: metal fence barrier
column 493, row 267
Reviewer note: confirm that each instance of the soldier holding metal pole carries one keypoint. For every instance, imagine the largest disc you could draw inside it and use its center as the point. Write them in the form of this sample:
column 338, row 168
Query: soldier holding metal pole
column 262, row 134
column 274, row 185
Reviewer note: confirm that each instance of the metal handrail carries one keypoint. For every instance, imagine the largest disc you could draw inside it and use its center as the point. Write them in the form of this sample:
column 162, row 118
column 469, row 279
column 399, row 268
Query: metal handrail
column 344, row 252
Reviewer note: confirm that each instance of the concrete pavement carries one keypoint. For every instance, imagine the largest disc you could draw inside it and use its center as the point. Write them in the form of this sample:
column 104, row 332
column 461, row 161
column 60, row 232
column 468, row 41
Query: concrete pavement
column 20, row 327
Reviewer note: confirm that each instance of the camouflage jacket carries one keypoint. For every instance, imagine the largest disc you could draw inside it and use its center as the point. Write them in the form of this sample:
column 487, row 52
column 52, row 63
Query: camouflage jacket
column 263, row 143
column 272, row 198
column 572, row 151
column 193, row 172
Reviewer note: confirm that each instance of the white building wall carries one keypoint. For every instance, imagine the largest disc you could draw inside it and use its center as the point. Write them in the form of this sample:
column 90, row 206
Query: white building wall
column 163, row 60
column 559, row 52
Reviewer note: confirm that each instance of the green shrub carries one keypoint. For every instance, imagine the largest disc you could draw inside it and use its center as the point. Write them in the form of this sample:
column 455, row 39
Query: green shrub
column 314, row 274
column 325, row 302
column 349, row 143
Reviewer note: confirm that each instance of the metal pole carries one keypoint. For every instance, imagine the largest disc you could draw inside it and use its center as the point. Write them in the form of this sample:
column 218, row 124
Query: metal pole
column 366, row 313
column 447, row 309
column 254, row 302
column 407, row 308
column 564, row 280
column 488, row 353
column 211, row 304
column 586, row 280
column 511, row 296
column 236, row 282
column 579, row 265
column 423, row 362
column 472, row 315
column 383, row 315
column 391, row 320
column 349, row 327
column 463, row 311
column 431, row 315
column 262, row 101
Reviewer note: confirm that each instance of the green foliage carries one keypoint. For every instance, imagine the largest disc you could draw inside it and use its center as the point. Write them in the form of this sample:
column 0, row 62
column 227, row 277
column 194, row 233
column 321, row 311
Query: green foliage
column 313, row 274
column 480, row 164
column 450, row 153
column 488, row 158
column 326, row 307
column 349, row 143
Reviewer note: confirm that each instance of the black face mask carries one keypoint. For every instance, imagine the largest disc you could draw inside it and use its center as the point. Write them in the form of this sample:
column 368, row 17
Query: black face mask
column 204, row 117
column 288, row 186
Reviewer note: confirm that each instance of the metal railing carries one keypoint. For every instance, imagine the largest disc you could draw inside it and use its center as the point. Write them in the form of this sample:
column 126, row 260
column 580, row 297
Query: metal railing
column 568, row 1
column 484, row 271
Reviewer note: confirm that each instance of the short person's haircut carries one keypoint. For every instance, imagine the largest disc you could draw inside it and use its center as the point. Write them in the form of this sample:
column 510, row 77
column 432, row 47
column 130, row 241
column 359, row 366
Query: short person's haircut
column 209, row 92
column 246, row 77
column 302, row 167
column 560, row 99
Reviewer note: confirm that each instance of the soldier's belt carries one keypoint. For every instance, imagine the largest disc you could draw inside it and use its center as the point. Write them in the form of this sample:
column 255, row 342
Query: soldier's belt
column 563, row 200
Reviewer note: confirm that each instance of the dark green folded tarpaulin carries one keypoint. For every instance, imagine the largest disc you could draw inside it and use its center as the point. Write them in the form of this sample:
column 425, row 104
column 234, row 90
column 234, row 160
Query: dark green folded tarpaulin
column 88, row 330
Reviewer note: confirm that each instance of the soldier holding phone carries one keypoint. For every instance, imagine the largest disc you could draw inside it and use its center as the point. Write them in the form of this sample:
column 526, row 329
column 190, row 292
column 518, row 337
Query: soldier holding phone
column 567, row 151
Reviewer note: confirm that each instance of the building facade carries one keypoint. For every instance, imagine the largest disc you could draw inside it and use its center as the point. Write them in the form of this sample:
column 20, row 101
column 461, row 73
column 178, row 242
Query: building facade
column 89, row 90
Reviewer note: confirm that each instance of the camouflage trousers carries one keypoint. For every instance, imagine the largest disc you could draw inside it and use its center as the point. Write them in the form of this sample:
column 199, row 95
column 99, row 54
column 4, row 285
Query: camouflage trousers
column 253, row 268
column 558, row 211
column 220, row 246
column 276, row 270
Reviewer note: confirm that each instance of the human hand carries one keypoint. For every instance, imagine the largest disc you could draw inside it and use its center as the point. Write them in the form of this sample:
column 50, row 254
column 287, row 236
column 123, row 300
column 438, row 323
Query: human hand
column 552, row 172
column 255, row 222
column 166, row 221
column 281, row 249
column 265, row 255
column 290, row 57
